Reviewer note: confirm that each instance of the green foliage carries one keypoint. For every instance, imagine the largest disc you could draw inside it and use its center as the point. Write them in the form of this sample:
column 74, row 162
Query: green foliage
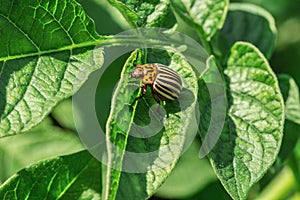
column 47, row 52
column 188, row 182
column 46, row 55
column 146, row 13
column 259, row 21
column 253, row 130
column 66, row 177
column 121, row 125
column 42, row 142
column 206, row 16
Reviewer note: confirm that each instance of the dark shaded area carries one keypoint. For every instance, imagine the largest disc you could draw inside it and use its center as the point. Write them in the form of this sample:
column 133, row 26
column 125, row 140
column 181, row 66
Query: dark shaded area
column 287, row 61
column 214, row 190
column 106, row 86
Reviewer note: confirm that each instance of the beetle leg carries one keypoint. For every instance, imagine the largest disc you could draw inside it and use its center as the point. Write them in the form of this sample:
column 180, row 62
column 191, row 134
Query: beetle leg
column 158, row 100
column 155, row 96
column 143, row 94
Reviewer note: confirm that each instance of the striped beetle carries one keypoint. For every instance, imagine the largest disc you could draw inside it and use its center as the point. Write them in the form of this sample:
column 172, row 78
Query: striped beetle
column 165, row 83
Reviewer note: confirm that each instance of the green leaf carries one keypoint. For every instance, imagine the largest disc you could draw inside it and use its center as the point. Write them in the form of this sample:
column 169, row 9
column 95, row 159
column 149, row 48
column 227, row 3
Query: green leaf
column 66, row 177
column 207, row 16
column 146, row 13
column 43, row 141
column 183, row 183
column 63, row 115
column 127, row 13
column 290, row 92
column 251, row 137
column 250, row 23
column 291, row 97
column 46, row 53
column 110, row 21
column 139, row 163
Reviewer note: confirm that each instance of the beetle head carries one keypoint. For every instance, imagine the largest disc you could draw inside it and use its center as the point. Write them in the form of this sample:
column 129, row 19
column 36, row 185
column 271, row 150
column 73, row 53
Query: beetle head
column 138, row 72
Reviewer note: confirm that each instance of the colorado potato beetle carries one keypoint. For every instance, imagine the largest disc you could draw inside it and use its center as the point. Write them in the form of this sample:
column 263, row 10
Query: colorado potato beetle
column 165, row 83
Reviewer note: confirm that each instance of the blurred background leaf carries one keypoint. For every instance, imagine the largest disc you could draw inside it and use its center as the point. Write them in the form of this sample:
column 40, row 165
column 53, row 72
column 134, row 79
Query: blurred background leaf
column 285, row 58
column 190, row 175
column 42, row 142
column 64, row 177
column 250, row 23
